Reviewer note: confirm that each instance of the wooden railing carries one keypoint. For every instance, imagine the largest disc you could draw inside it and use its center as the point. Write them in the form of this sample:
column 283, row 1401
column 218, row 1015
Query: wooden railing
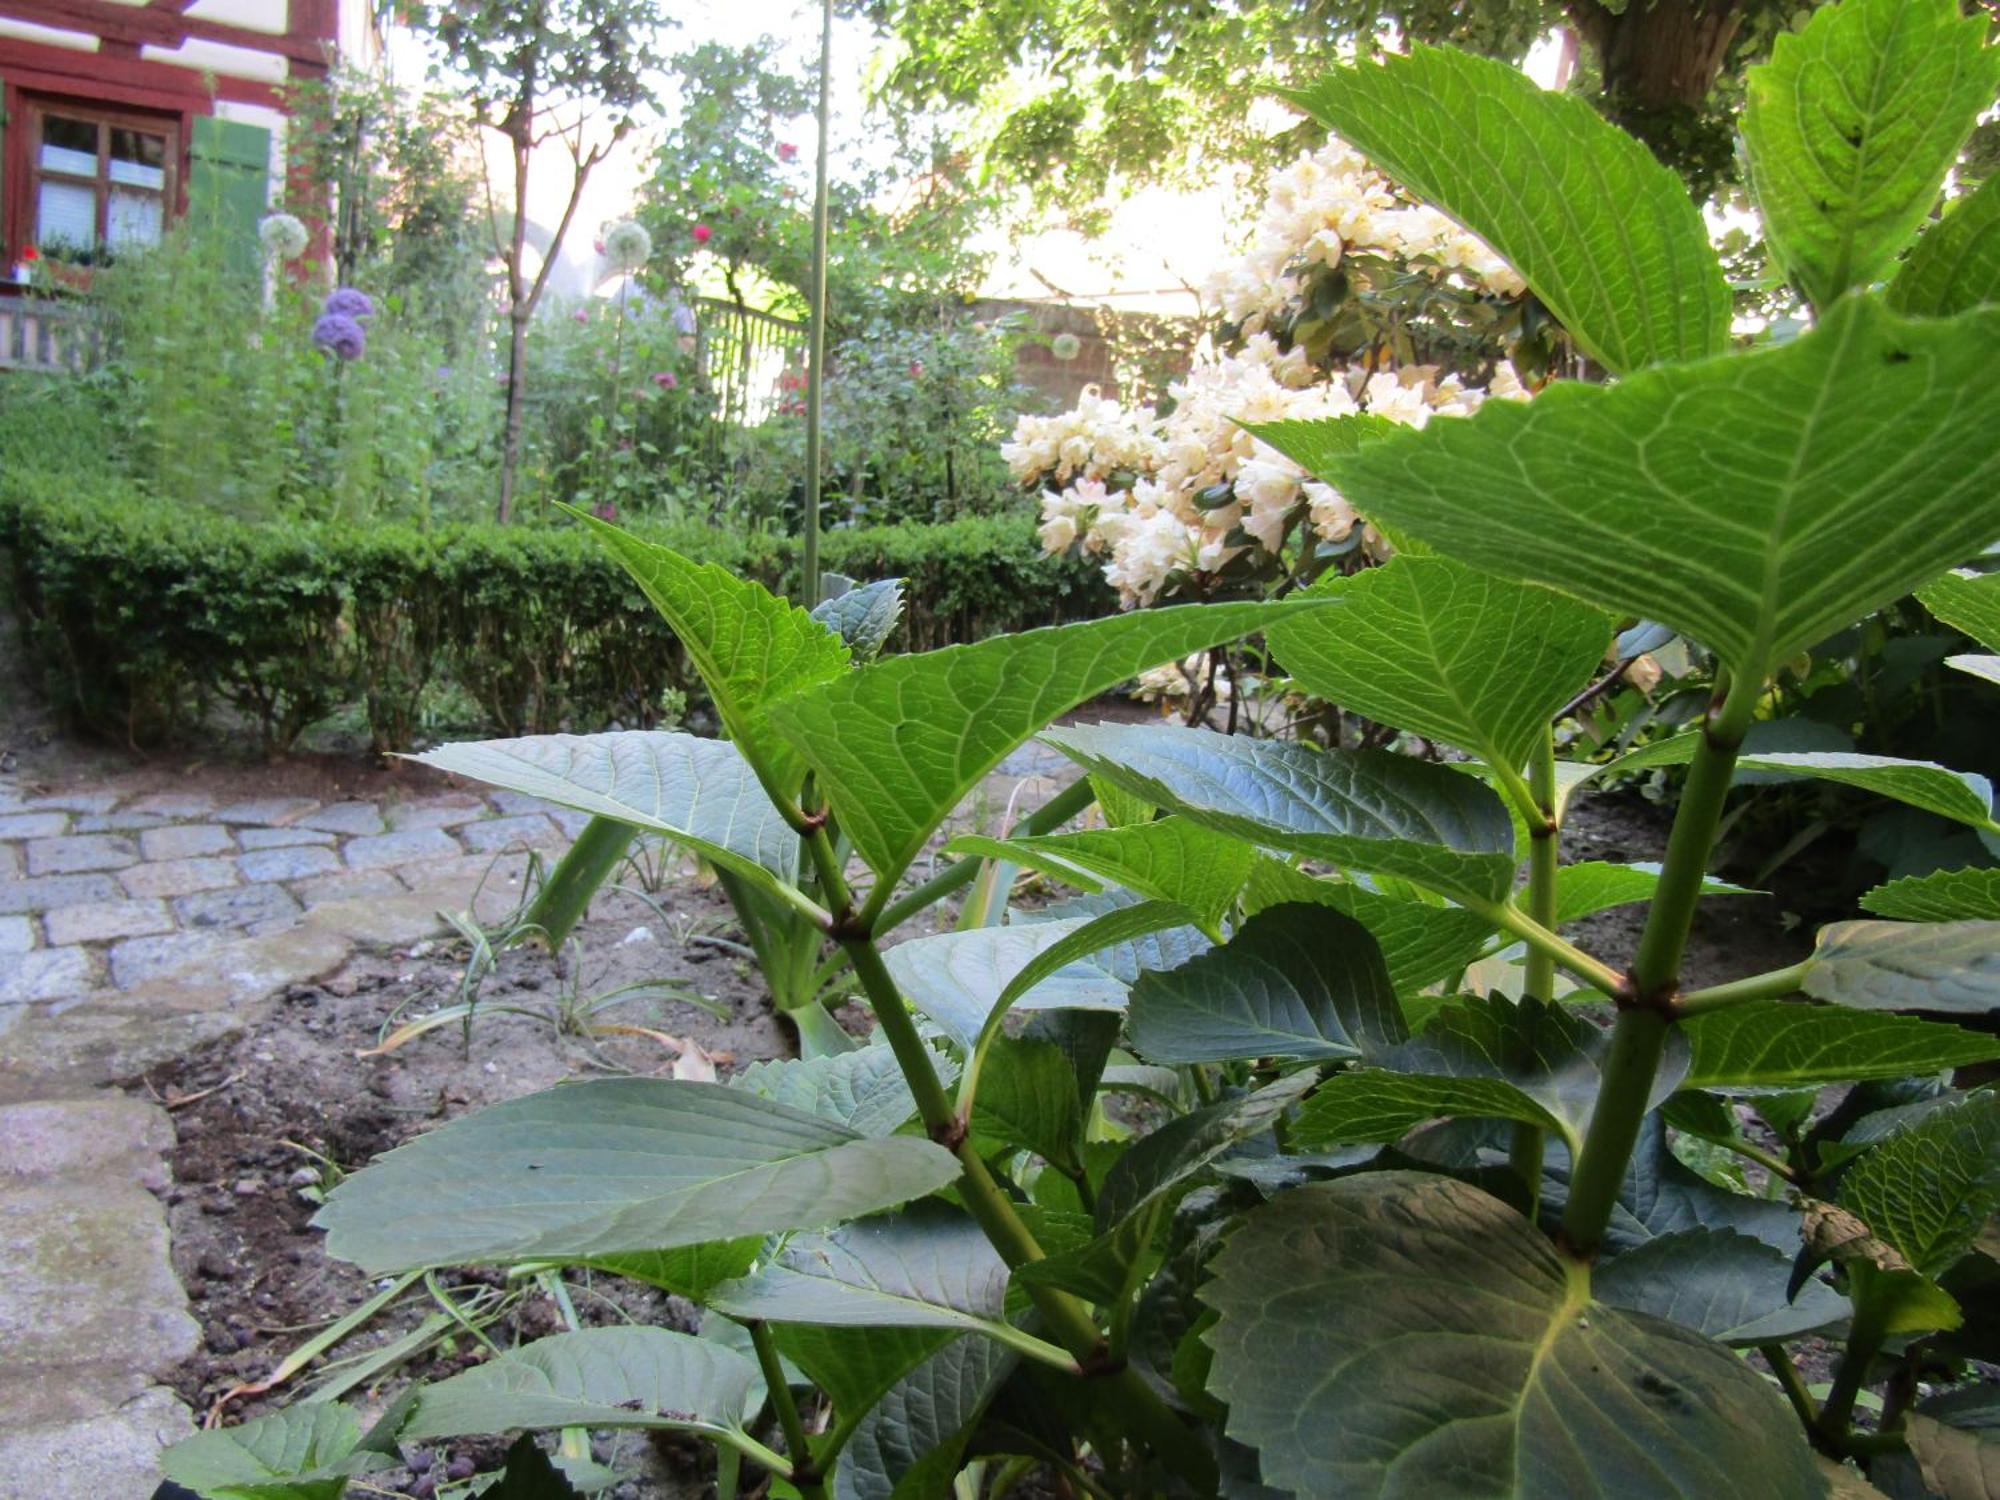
column 47, row 336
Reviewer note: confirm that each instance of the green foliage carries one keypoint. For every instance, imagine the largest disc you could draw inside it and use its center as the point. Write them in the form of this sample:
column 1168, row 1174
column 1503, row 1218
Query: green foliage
column 1334, row 1229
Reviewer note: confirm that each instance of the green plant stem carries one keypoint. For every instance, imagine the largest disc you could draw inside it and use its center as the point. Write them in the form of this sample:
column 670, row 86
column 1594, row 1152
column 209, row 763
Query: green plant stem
column 804, row 1472
column 1769, row 986
column 1146, row 1419
column 1791, row 1383
column 1864, row 1337
column 816, row 337
column 1566, row 955
column 560, row 903
column 1641, row 1033
column 1539, row 972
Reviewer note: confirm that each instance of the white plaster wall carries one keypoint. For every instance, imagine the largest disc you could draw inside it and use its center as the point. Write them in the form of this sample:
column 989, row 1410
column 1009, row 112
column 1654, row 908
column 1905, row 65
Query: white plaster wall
column 219, row 57
column 252, row 15
column 48, row 36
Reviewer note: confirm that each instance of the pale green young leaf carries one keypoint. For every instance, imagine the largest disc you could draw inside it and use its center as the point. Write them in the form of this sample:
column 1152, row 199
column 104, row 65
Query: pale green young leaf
column 1948, row 966
column 897, row 743
column 1447, row 1339
column 1850, row 127
column 1930, row 1190
column 1366, row 810
column 617, row 1165
column 1167, row 859
column 1593, row 885
column 699, row 792
column 1421, row 944
column 601, row 1377
column 1120, row 808
column 1782, row 1044
column 864, row 617
column 863, row 1089
column 1603, row 234
column 1430, row 646
column 751, row 647
column 1295, row 981
column 1942, row 896
column 1377, row 1106
column 927, row 1267
column 302, row 1452
column 1956, row 264
column 1756, row 503
column 1967, row 601
column 1721, row 1283
column 686, row 1270
column 1166, row 1159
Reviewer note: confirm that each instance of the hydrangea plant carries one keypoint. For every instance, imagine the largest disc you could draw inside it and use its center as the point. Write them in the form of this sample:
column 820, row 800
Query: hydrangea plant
column 1373, row 1232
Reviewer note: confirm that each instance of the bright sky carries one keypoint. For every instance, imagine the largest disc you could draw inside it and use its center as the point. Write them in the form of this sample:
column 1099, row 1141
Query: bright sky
column 1158, row 246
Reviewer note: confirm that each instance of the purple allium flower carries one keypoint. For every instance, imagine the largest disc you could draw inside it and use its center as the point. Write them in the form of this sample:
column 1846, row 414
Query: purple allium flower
column 346, row 302
column 666, row 380
column 340, row 335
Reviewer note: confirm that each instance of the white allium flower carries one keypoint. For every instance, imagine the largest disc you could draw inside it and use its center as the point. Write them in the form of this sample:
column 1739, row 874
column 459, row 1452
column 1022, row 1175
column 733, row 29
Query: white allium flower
column 627, row 246
column 283, row 237
column 1065, row 346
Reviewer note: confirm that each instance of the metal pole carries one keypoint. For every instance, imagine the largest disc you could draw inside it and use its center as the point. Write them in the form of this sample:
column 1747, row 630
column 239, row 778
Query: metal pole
column 816, row 371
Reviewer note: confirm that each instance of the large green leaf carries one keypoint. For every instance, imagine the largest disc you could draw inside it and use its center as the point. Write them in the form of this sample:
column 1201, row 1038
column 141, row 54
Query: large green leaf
column 1721, row 1283
column 602, row 1377
column 302, row 1452
column 1604, row 234
column 1931, row 1189
column 863, row 1089
column 1941, row 896
column 856, row 1366
column 1781, row 1044
column 616, row 1165
column 1956, row 264
column 1295, row 981
column 1167, row 859
column 686, row 1270
column 912, row 1441
column 1366, row 810
column 1756, row 503
column 1421, row 944
column 1028, row 1099
column 1850, row 127
column 958, row 979
column 1161, row 1162
column 751, row 647
column 1431, row 646
column 928, row 1267
column 1967, row 601
column 1961, row 796
column 1956, row 1440
column 1398, row 1333
column 699, row 792
column 1950, row 966
column 896, row 744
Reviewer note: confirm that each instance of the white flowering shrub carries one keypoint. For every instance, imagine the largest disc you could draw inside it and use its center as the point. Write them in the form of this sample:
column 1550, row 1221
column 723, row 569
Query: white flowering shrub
column 1351, row 300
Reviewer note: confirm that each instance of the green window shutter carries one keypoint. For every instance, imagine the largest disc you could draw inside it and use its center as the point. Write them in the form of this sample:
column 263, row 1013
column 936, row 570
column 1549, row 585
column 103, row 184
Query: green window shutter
column 229, row 180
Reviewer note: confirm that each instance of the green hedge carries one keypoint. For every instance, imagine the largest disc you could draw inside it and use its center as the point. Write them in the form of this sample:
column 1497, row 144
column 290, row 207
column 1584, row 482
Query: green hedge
column 143, row 619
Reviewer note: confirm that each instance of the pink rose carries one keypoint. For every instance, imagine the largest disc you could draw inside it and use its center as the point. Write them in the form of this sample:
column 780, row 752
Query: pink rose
column 702, row 234
column 582, row 315
column 787, row 151
column 666, row 380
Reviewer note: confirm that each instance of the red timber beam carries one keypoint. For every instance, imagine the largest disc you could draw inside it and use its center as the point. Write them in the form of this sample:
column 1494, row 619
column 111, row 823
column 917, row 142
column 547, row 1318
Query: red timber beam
column 150, row 26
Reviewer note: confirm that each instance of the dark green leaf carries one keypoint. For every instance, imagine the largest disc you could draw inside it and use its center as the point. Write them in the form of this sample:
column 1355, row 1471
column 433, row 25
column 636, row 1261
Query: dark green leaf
column 1951, row 966
column 1602, row 232
column 1028, row 1100
column 1778, row 1043
column 1718, row 1282
column 1377, row 1106
column 617, row 1165
column 687, row 1271
column 1756, row 503
column 863, row 1089
column 897, row 743
column 912, row 1442
column 1850, row 127
column 1160, row 1162
column 303, row 1452
column 1295, row 981
column 1432, row 647
column 1969, row 602
column 1956, row 1439
column 530, row 1475
column 1943, row 896
column 1421, row 944
column 864, row 617
column 1593, row 886
column 1404, row 1333
column 1366, row 810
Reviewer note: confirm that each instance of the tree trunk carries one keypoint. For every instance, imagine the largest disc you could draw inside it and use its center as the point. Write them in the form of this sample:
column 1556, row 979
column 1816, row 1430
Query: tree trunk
column 519, row 306
column 1659, row 60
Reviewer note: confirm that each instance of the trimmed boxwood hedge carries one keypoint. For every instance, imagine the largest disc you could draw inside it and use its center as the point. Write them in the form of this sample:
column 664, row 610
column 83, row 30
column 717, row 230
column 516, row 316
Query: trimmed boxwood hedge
column 141, row 619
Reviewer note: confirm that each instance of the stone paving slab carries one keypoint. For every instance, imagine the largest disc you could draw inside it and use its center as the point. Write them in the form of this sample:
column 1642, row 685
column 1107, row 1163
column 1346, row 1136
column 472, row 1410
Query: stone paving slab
column 179, row 877
column 186, row 841
column 33, row 825
column 101, row 921
column 79, row 853
column 409, row 847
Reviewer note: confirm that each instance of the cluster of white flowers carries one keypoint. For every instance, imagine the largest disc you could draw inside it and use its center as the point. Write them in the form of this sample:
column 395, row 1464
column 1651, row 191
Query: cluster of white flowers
column 1330, row 204
column 1159, row 495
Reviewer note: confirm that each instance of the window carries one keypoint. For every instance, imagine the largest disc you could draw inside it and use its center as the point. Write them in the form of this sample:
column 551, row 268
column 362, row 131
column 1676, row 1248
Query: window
column 101, row 182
